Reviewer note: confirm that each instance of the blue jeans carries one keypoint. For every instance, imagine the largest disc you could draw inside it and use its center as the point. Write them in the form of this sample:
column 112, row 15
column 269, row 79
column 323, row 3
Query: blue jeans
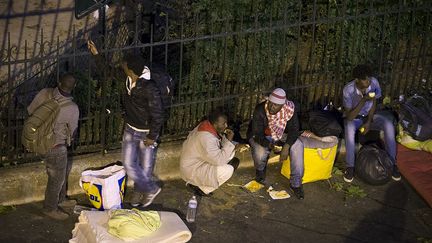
column 139, row 160
column 379, row 123
column 260, row 156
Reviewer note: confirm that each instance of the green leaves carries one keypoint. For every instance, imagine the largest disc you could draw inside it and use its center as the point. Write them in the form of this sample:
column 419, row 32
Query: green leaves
column 6, row 209
column 355, row 191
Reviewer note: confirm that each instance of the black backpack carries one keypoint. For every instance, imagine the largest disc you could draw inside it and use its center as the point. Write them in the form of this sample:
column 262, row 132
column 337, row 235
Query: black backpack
column 373, row 165
column 325, row 123
column 415, row 116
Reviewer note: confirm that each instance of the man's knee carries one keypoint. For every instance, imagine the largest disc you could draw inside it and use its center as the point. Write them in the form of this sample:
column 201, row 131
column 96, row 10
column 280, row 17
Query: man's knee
column 224, row 173
column 350, row 129
column 297, row 147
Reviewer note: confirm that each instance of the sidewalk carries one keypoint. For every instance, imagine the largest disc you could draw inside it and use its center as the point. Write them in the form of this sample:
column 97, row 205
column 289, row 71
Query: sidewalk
column 389, row 213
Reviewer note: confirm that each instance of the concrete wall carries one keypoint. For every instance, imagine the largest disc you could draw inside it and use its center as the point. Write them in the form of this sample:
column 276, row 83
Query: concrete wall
column 27, row 183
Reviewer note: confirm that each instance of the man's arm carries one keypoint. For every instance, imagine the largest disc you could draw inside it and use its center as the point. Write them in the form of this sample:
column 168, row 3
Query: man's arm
column 371, row 111
column 73, row 122
column 351, row 114
column 156, row 111
column 258, row 127
column 213, row 154
column 102, row 64
column 292, row 129
column 377, row 96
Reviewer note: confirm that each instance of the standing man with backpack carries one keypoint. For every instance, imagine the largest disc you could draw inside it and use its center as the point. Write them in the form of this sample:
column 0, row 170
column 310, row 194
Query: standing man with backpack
column 144, row 117
column 359, row 101
column 65, row 123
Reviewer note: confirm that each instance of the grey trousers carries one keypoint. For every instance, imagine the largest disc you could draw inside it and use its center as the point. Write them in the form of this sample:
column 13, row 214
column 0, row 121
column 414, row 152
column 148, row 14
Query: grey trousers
column 58, row 167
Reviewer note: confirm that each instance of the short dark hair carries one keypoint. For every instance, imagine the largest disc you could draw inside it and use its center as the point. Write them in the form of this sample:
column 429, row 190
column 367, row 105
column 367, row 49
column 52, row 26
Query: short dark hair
column 215, row 114
column 362, row 71
column 67, row 82
column 135, row 62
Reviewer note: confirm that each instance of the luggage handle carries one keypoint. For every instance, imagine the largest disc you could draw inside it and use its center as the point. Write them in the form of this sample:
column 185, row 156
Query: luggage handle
column 320, row 154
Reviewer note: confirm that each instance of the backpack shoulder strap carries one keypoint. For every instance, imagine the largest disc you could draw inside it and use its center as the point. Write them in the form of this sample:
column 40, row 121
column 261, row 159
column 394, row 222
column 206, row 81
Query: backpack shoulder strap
column 51, row 94
column 65, row 103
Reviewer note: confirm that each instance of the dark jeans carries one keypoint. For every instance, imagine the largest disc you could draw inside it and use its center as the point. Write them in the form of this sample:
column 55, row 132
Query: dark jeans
column 139, row 160
column 260, row 156
column 58, row 167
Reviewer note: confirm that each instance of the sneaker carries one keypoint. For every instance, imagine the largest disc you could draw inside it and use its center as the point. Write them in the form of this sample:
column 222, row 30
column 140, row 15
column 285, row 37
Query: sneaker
column 68, row 203
column 298, row 192
column 136, row 199
column 149, row 197
column 349, row 174
column 197, row 191
column 396, row 176
column 56, row 214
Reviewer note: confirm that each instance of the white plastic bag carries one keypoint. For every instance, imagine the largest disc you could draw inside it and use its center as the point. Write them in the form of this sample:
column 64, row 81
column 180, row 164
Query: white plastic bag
column 105, row 188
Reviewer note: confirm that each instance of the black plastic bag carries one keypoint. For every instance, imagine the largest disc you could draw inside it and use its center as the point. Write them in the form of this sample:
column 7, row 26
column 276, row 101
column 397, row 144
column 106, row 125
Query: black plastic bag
column 373, row 165
column 325, row 123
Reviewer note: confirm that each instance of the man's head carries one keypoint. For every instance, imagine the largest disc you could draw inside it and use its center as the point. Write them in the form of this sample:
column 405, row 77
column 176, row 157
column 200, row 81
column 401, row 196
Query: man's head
column 362, row 74
column 219, row 120
column 132, row 64
column 67, row 83
column 276, row 101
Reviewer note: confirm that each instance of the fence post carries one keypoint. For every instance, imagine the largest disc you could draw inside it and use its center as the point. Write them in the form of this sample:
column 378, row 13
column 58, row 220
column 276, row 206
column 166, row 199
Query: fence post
column 10, row 103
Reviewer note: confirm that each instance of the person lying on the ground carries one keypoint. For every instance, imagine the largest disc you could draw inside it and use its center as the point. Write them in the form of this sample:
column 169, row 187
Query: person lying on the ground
column 207, row 157
column 144, row 119
column 359, row 101
column 275, row 122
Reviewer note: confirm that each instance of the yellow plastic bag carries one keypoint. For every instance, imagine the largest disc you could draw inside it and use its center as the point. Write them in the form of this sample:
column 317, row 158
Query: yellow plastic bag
column 406, row 140
column 318, row 164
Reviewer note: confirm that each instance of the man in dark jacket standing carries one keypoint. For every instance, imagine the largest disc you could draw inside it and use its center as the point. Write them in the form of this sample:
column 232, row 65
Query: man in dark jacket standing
column 275, row 122
column 144, row 119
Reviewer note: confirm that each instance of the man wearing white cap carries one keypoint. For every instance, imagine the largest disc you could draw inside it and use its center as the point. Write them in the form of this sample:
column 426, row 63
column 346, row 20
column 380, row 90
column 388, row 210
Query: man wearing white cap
column 275, row 122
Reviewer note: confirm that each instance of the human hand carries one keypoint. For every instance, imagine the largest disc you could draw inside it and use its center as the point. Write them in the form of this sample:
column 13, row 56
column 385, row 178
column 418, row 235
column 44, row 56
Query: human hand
column 149, row 142
column 92, row 47
column 229, row 134
column 365, row 128
column 307, row 134
column 368, row 96
column 284, row 153
column 271, row 146
column 241, row 147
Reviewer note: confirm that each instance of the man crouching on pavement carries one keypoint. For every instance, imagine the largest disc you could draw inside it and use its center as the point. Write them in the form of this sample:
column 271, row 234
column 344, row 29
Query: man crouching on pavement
column 207, row 158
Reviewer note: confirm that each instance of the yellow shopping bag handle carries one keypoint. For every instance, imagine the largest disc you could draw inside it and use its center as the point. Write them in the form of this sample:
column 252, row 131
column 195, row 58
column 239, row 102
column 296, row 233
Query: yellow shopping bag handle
column 320, row 154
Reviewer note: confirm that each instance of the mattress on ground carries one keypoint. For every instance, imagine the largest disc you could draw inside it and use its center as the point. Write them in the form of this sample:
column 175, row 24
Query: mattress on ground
column 416, row 167
column 93, row 228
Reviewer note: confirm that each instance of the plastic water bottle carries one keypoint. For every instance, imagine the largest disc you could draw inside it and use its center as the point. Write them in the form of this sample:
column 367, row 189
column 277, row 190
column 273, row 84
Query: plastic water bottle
column 191, row 211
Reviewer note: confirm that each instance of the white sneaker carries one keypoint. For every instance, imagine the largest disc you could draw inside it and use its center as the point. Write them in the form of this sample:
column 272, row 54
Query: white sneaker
column 149, row 197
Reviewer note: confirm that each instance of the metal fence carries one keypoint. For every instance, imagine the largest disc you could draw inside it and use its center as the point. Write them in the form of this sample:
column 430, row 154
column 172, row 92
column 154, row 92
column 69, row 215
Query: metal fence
column 308, row 48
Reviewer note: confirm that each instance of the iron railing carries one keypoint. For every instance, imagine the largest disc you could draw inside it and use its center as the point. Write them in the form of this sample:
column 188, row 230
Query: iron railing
column 307, row 48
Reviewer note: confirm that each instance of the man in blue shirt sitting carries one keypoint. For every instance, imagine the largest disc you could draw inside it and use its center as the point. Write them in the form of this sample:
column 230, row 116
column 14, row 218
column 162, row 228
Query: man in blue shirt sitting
column 359, row 100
